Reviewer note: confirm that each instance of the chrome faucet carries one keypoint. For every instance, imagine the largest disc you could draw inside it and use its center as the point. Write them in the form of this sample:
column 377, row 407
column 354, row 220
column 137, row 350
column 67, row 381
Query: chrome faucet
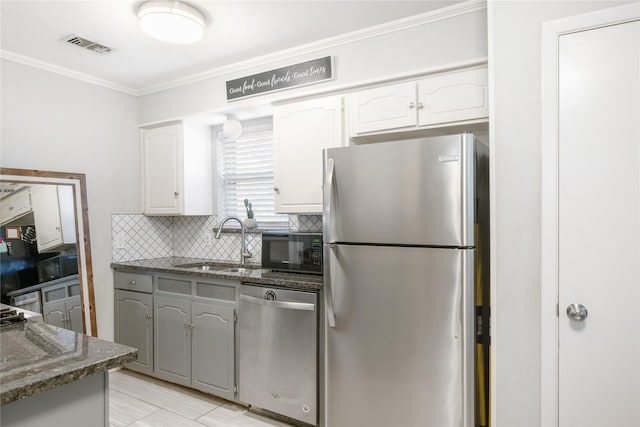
column 244, row 254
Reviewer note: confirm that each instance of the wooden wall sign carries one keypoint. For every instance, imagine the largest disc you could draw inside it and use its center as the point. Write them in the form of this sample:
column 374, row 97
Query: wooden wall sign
column 304, row 73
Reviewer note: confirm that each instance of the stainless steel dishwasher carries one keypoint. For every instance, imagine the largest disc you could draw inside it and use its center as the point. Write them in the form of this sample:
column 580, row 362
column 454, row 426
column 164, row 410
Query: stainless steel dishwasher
column 278, row 351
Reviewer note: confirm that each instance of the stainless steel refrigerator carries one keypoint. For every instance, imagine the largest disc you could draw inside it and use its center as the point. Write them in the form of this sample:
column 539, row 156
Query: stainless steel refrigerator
column 405, row 227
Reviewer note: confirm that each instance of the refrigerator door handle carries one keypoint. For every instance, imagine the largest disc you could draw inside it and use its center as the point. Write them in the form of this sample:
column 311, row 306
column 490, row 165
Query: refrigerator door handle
column 328, row 238
column 328, row 292
column 327, row 194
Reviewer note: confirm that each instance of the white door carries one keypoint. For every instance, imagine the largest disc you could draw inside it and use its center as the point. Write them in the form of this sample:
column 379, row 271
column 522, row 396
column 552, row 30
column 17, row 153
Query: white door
column 599, row 226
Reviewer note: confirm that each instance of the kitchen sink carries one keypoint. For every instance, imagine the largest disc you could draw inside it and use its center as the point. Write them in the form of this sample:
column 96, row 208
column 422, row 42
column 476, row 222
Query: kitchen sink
column 204, row 266
column 239, row 269
column 212, row 266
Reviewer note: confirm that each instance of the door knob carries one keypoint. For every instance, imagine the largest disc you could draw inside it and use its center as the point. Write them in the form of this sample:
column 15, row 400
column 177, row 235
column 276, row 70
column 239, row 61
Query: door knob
column 577, row 312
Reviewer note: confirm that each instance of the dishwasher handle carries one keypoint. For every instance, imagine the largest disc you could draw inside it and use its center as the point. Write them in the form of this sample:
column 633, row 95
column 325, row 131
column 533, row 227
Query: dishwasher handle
column 280, row 304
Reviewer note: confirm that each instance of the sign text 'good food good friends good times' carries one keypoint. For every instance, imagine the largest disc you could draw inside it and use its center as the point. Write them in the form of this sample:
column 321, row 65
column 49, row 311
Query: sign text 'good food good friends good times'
column 301, row 74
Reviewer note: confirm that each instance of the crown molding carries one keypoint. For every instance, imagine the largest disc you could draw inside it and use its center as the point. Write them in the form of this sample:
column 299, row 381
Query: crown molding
column 47, row 66
column 309, row 48
column 377, row 30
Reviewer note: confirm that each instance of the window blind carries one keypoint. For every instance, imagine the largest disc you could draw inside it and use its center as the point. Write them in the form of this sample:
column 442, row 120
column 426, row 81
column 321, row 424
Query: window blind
column 245, row 171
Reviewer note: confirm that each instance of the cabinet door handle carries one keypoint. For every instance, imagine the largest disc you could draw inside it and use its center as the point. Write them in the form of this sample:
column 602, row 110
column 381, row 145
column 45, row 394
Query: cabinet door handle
column 176, row 194
column 276, row 189
column 132, row 282
column 420, row 105
column 149, row 316
column 412, row 105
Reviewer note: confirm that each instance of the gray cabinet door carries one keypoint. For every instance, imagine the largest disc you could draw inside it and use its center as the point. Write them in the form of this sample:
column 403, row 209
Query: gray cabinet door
column 55, row 313
column 172, row 339
column 213, row 353
column 74, row 314
column 134, row 326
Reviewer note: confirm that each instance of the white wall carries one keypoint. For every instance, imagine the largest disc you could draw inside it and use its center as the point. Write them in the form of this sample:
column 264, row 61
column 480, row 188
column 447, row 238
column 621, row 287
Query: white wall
column 428, row 45
column 515, row 63
column 51, row 122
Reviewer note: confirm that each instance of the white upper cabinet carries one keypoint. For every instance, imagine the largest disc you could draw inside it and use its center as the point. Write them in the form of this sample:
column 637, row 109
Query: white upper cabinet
column 386, row 107
column 15, row 206
column 301, row 131
column 451, row 98
column 53, row 216
column 177, row 170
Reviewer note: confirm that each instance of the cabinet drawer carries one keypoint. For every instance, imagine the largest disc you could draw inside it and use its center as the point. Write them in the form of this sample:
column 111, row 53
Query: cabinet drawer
column 174, row 286
column 74, row 290
column 54, row 293
column 132, row 281
column 216, row 291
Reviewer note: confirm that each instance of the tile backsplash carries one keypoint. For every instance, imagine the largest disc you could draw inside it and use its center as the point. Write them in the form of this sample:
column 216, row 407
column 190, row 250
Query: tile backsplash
column 138, row 236
column 305, row 222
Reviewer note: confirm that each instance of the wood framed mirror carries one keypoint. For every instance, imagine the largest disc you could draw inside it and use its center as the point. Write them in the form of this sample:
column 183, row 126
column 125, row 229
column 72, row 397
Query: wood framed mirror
column 77, row 183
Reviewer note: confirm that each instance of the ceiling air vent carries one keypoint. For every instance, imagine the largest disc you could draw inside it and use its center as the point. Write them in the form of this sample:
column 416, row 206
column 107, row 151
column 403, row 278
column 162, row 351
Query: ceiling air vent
column 85, row 43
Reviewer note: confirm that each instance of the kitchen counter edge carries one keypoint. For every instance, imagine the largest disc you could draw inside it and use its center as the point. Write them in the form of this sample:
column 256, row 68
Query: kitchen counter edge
column 101, row 355
column 256, row 275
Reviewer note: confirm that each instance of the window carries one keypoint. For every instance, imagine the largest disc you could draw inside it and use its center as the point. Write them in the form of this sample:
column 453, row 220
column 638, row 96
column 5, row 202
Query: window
column 245, row 171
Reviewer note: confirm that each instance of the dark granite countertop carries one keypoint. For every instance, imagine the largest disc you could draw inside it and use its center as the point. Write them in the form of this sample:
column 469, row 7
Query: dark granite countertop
column 44, row 285
column 36, row 357
column 221, row 270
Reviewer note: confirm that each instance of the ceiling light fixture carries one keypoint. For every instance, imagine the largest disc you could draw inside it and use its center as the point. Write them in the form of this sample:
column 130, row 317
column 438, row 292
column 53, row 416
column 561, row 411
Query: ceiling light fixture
column 171, row 21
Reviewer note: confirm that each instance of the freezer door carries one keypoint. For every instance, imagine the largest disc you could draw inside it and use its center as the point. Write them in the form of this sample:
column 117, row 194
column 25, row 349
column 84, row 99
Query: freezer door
column 401, row 351
column 416, row 192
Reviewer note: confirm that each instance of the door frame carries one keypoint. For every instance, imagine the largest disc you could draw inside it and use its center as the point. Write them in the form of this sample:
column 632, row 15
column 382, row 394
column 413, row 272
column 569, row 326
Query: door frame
column 549, row 316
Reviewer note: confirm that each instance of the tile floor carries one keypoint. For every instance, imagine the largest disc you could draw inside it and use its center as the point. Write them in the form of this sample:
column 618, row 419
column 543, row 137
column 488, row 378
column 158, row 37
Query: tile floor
column 141, row 401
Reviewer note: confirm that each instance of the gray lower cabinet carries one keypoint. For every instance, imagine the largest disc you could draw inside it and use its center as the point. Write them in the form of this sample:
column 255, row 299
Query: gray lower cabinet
column 195, row 344
column 184, row 328
column 55, row 313
column 74, row 313
column 133, row 314
column 212, row 349
column 172, row 341
column 62, row 306
column 134, row 326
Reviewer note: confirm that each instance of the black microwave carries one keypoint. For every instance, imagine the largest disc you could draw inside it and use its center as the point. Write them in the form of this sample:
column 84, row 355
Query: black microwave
column 292, row 251
column 57, row 267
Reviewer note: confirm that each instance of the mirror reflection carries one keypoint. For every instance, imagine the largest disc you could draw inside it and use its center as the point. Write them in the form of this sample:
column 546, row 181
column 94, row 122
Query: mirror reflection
column 43, row 269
